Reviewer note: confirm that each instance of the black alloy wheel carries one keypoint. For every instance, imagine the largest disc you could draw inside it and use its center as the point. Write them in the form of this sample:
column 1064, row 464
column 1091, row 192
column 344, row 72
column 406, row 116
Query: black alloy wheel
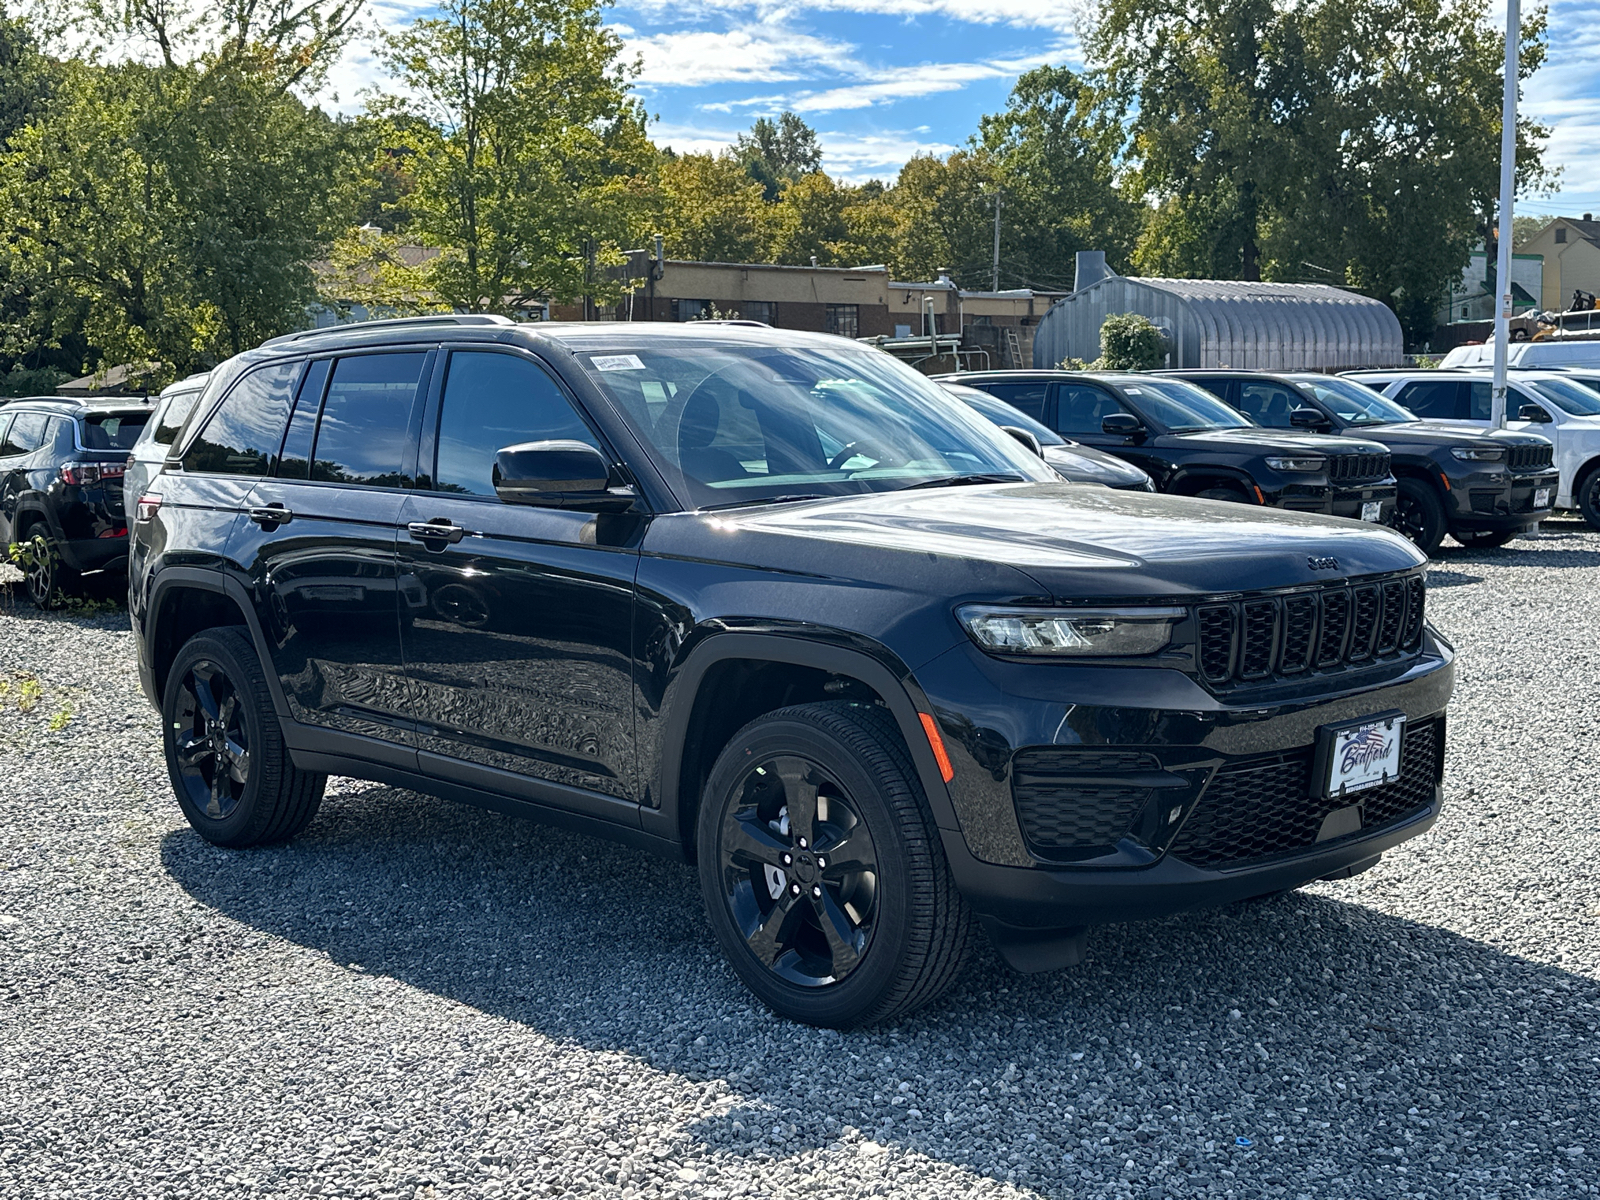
column 212, row 750
column 43, row 572
column 822, row 871
column 1419, row 515
column 799, row 871
column 226, row 757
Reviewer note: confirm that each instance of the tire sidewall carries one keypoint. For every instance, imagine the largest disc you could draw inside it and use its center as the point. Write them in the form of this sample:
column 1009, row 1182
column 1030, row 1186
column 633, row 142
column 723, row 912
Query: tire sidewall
column 1588, row 497
column 39, row 545
column 875, row 976
column 240, row 827
column 1434, row 520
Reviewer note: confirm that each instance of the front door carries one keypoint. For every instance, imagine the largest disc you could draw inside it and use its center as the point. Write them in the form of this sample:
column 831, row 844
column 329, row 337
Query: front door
column 517, row 641
column 318, row 547
column 1079, row 410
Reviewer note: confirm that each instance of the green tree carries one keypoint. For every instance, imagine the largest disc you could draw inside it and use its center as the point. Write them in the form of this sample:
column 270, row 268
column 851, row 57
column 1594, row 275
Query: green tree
column 710, row 210
column 810, row 222
column 776, row 153
column 530, row 161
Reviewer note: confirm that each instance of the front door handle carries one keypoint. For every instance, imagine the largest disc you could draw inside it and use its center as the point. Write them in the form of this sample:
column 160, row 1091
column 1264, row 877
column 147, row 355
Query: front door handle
column 271, row 515
column 440, row 529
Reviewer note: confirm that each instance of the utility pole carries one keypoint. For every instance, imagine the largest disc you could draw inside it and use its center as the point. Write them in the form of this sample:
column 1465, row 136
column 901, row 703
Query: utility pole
column 996, row 283
column 1508, row 179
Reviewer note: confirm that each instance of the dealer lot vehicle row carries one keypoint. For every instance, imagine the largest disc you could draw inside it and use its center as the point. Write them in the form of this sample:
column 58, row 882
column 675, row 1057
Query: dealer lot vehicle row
column 778, row 604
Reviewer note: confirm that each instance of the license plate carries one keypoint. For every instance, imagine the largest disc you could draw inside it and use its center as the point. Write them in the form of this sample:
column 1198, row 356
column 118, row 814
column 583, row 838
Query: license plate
column 1541, row 497
column 1360, row 755
column 1371, row 510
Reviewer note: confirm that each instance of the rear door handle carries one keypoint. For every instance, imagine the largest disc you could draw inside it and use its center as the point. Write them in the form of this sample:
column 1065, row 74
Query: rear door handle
column 438, row 530
column 271, row 514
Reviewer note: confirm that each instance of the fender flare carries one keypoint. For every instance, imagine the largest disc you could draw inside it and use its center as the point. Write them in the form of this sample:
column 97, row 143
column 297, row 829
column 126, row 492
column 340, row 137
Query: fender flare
column 881, row 670
column 32, row 504
column 1186, row 472
column 217, row 582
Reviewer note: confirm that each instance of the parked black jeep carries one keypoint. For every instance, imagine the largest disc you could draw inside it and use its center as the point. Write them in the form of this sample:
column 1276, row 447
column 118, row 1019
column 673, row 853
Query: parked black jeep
column 1191, row 444
column 61, row 465
column 1483, row 487
column 774, row 602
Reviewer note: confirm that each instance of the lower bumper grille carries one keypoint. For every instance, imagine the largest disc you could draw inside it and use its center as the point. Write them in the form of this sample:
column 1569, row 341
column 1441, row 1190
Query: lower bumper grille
column 1257, row 811
column 1071, row 799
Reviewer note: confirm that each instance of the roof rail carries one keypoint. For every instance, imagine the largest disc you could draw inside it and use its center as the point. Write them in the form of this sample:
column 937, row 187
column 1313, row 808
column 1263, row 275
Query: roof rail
column 396, row 323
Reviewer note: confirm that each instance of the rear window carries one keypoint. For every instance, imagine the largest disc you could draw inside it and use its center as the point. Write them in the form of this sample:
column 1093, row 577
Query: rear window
column 111, row 431
column 179, row 406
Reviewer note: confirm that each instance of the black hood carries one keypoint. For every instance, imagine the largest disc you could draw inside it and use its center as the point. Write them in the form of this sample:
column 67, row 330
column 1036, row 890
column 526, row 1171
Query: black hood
column 1084, row 464
column 1283, row 440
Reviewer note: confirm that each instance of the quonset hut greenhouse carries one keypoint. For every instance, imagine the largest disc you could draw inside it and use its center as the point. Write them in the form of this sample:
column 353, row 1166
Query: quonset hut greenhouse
column 1225, row 323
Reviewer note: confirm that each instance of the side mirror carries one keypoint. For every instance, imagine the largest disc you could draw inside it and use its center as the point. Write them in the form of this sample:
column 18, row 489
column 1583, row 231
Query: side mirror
column 1121, row 424
column 1026, row 438
column 1532, row 412
column 1306, row 417
column 557, row 474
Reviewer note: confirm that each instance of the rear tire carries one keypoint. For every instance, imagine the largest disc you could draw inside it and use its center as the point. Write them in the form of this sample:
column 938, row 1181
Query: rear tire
column 1486, row 539
column 48, row 581
column 1587, row 494
column 822, row 870
column 225, row 751
column 1419, row 515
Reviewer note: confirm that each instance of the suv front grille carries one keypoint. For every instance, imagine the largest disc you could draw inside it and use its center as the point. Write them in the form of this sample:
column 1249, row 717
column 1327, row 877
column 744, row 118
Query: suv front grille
column 1262, row 637
column 1357, row 468
column 1523, row 459
column 1069, row 798
column 1259, row 810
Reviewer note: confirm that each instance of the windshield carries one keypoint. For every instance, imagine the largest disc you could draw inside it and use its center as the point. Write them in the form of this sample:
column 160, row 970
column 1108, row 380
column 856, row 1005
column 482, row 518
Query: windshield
column 737, row 423
column 1181, row 407
column 1352, row 403
column 1568, row 395
column 113, row 431
column 994, row 409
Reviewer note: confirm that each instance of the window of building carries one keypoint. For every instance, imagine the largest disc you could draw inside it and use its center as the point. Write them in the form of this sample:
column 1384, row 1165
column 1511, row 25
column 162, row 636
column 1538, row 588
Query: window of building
column 844, row 320
column 492, row 401
column 243, row 436
column 765, row 311
column 1561, row 237
column 691, row 310
column 361, row 437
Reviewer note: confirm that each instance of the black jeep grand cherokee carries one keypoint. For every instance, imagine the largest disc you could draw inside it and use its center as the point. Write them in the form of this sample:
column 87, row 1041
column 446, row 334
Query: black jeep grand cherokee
column 1191, row 444
column 774, row 602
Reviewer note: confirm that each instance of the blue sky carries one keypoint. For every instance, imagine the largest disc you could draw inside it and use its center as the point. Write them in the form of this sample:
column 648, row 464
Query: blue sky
column 882, row 80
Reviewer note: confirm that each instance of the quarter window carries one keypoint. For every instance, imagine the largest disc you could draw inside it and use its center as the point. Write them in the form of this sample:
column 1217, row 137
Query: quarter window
column 361, row 437
column 492, row 401
column 176, row 412
column 242, row 437
column 26, row 434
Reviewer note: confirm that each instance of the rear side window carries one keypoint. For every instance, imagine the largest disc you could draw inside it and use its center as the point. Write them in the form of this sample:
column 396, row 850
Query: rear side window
column 1436, row 398
column 242, row 437
column 1026, row 398
column 362, row 435
column 173, row 415
column 111, row 431
column 492, row 401
column 26, row 433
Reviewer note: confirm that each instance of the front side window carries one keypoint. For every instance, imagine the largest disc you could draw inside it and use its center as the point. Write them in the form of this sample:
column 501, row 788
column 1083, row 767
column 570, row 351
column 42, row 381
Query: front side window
column 242, row 437
column 844, row 320
column 1267, row 403
column 362, row 434
column 492, row 401
column 1081, row 407
column 1436, row 398
column 1181, row 407
column 734, row 422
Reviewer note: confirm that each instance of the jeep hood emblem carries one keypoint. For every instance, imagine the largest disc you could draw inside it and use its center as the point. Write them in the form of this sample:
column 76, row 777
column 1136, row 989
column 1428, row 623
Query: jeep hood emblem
column 1322, row 564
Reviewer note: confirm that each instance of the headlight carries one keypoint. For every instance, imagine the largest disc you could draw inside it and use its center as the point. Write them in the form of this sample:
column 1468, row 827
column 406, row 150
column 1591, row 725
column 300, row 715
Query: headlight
column 1475, row 454
column 1070, row 632
column 1297, row 464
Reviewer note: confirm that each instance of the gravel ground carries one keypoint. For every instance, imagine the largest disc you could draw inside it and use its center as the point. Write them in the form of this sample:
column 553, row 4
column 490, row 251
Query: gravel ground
column 417, row 999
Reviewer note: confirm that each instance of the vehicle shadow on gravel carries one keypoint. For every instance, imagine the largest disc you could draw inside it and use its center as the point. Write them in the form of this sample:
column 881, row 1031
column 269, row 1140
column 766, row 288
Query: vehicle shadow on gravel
column 1325, row 1033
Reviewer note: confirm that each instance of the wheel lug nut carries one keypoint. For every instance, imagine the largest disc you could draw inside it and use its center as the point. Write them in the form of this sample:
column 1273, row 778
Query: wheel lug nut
column 816, row 893
column 802, row 843
column 822, row 863
column 788, row 860
column 794, row 888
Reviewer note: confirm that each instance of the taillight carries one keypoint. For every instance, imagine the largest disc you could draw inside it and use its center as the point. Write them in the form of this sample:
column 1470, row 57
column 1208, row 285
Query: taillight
column 145, row 509
column 76, row 474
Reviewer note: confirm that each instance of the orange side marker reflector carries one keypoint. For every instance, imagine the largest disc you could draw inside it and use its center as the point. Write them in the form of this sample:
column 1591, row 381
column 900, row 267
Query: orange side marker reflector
column 1260, row 499
column 936, row 744
column 1444, row 479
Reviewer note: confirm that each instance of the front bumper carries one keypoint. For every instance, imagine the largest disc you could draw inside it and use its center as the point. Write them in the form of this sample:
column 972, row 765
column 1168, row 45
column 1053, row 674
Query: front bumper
column 1502, row 502
column 1350, row 502
column 1180, row 739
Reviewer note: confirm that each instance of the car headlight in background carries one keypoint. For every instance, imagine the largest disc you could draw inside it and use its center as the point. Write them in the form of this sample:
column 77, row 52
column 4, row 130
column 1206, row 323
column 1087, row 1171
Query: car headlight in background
column 1477, row 454
column 1297, row 464
column 1070, row 632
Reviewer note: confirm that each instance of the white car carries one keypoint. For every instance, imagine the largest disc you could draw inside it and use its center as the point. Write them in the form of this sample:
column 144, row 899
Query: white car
column 1564, row 352
column 172, row 408
column 1552, row 403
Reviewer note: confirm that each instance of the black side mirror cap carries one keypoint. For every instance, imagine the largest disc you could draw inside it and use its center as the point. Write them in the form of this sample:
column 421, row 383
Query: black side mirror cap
column 1025, row 437
column 1532, row 412
column 557, row 474
column 1121, row 424
column 1306, row 417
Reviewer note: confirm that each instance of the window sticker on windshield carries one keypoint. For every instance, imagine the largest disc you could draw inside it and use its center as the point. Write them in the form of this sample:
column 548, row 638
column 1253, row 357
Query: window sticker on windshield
column 1133, row 391
column 616, row 362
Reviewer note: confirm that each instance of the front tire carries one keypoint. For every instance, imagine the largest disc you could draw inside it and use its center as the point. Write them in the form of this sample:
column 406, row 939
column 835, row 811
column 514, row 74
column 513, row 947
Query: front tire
column 1420, row 516
column 225, row 751
column 1486, row 539
column 822, row 872
column 1587, row 494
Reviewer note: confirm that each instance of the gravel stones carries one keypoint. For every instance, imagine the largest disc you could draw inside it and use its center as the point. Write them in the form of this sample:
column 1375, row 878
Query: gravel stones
column 417, row 999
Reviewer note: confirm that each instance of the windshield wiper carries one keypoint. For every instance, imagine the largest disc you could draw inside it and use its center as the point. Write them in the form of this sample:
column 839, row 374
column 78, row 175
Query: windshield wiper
column 792, row 499
column 962, row 481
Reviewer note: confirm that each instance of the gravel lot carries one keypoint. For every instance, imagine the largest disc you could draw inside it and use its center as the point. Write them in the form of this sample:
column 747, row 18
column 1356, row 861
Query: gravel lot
column 417, row 999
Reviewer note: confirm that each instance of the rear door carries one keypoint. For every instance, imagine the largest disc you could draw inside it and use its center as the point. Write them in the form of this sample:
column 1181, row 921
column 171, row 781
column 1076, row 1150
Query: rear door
column 318, row 546
column 518, row 635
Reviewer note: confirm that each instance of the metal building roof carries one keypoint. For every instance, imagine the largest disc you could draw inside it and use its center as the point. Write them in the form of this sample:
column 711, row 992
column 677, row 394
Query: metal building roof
column 1231, row 323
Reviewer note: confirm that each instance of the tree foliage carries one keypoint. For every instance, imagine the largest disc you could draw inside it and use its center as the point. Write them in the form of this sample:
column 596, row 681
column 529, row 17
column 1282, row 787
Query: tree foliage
column 777, row 153
column 1129, row 342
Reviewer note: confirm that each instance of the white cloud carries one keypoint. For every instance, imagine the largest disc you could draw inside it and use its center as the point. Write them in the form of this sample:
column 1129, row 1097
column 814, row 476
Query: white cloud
column 742, row 55
column 857, row 157
column 1062, row 16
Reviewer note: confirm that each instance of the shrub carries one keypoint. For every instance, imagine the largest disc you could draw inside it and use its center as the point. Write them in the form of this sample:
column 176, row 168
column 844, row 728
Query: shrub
column 1129, row 342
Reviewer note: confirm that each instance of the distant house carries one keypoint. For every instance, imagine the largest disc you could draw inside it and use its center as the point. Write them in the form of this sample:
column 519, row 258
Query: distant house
column 1472, row 297
column 1571, row 250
